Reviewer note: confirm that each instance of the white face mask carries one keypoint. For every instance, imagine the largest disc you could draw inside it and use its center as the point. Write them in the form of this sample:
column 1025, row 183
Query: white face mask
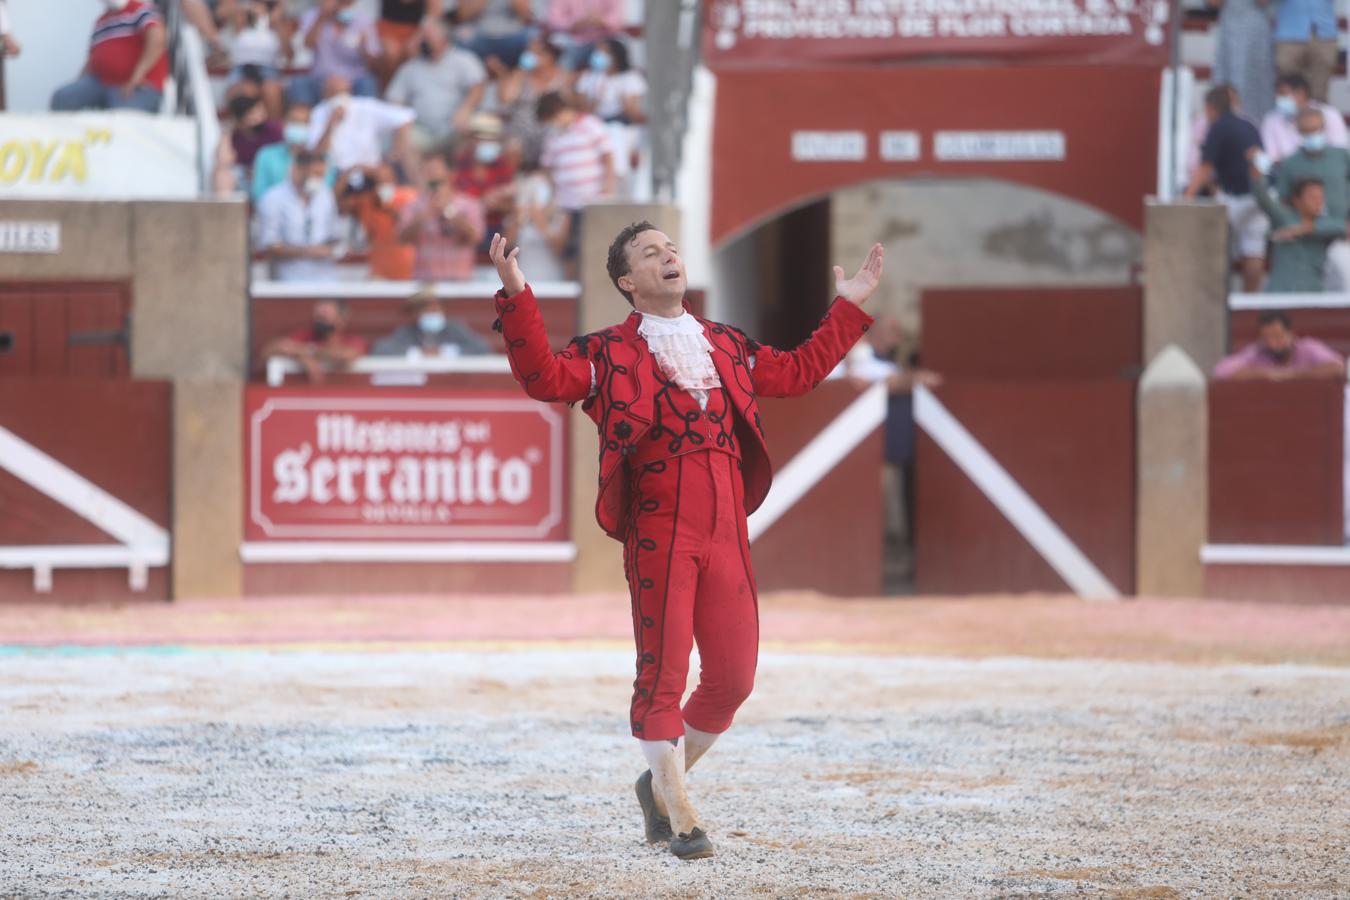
column 313, row 184
column 115, row 5
column 385, row 192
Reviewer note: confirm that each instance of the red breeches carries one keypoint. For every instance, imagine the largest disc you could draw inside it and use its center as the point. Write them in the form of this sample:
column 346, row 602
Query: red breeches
column 687, row 558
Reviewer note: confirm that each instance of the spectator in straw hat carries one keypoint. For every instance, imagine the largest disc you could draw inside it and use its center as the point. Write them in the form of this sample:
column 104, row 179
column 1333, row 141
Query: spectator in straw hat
column 430, row 332
column 486, row 169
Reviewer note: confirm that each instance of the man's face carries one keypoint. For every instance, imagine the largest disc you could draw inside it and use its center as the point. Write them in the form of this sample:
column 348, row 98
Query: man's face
column 436, row 173
column 1309, row 125
column 1277, row 340
column 336, row 86
column 254, row 117
column 885, row 333
column 327, row 316
column 655, row 269
column 1311, row 201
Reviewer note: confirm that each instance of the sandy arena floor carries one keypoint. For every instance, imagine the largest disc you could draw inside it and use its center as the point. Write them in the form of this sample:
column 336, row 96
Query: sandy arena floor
column 208, row 773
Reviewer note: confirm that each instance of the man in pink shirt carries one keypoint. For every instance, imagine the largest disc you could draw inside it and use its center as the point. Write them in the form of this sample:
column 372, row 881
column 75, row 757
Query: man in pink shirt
column 444, row 224
column 1280, row 136
column 1279, row 355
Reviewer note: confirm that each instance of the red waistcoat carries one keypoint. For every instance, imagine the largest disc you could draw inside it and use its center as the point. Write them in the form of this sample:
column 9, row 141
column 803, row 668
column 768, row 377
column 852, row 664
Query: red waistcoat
column 621, row 406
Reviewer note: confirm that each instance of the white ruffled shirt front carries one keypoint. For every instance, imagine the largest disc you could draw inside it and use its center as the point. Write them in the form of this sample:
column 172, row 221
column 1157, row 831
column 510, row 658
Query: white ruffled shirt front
column 683, row 352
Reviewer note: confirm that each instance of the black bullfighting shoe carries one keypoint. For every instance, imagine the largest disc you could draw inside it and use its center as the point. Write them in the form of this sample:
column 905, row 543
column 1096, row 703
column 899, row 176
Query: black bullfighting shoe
column 694, row 845
column 657, row 825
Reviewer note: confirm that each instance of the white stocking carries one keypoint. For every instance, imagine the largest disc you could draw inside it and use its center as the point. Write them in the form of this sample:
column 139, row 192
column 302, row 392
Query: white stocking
column 696, row 743
column 666, row 759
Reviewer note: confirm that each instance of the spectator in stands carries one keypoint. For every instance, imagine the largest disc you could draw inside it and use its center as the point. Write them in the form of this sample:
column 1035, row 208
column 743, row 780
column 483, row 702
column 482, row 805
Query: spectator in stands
column 397, row 28
column 1279, row 129
column 1315, row 161
column 352, row 131
column 1245, row 55
column 615, row 92
column 272, row 165
column 127, row 64
column 298, row 224
column 374, row 198
column 257, row 51
column 430, row 332
column 1223, row 164
column 585, row 24
column 537, row 226
column 577, row 157
column 1306, row 42
column 443, row 84
column 1279, row 354
column 486, row 170
column 9, row 44
column 539, row 72
column 251, row 129
column 499, row 28
column 445, row 225
column 1300, row 233
column 324, row 345
column 345, row 44
column 200, row 15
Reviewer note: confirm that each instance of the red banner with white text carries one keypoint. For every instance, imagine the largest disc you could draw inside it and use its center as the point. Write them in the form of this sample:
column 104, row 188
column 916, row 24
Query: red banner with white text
column 326, row 465
column 796, row 32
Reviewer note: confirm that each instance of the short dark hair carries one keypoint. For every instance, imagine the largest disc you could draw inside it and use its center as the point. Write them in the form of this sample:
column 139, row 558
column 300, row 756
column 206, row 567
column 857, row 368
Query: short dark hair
column 618, row 51
column 306, row 158
column 1275, row 315
column 1220, row 99
column 1303, row 184
column 241, row 104
column 617, row 264
column 1293, row 81
column 548, row 107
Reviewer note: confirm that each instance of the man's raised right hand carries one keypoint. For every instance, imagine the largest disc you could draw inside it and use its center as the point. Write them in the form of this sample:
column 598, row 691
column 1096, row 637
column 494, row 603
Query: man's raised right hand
column 513, row 282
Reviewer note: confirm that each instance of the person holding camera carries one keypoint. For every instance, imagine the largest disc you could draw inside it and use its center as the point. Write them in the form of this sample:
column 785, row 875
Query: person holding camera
column 373, row 196
column 444, row 224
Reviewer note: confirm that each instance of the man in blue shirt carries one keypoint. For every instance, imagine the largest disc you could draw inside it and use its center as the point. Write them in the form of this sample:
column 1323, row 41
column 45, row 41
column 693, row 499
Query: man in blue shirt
column 1306, row 42
column 1223, row 168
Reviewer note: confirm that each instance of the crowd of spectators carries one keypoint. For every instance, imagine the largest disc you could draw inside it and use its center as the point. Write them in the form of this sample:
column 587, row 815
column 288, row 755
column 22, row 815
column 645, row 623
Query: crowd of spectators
column 1273, row 149
column 429, row 127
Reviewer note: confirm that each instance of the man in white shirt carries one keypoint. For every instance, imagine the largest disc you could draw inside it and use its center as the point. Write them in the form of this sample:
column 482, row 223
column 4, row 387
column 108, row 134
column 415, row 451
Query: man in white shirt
column 352, row 131
column 1279, row 129
column 298, row 224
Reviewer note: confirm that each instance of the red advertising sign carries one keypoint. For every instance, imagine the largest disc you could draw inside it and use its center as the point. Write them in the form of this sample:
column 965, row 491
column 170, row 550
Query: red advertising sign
column 325, row 465
column 793, row 32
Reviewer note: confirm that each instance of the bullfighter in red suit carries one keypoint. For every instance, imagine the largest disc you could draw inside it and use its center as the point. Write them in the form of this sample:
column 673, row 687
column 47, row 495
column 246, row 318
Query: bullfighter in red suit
column 682, row 464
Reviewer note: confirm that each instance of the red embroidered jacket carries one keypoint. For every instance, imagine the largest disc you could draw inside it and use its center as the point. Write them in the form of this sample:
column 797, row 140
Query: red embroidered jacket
column 624, row 384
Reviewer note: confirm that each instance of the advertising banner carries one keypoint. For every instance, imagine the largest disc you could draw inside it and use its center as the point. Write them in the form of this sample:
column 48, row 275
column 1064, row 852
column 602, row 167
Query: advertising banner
column 98, row 155
column 328, row 465
column 797, row 32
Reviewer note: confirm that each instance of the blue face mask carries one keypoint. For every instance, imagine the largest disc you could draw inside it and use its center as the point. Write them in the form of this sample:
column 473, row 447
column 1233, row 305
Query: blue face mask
column 528, row 61
column 1315, row 142
column 295, row 133
column 431, row 322
column 599, row 61
column 1287, row 106
column 487, row 152
column 346, row 15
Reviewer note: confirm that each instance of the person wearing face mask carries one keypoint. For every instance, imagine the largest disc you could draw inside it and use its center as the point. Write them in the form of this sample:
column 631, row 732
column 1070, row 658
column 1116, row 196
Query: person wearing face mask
column 443, row 224
column 1300, row 233
column 127, row 64
column 323, row 345
column 273, row 163
column 539, row 72
column 486, row 170
column 257, row 52
column 430, row 332
column 297, row 224
column 345, row 44
column 443, row 85
column 1279, row 129
column 1279, row 354
column 252, row 130
column 374, row 198
column 1316, row 161
column 537, row 226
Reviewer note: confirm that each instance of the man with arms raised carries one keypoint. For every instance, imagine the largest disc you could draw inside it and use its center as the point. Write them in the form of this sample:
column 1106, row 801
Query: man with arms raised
column 683, row 462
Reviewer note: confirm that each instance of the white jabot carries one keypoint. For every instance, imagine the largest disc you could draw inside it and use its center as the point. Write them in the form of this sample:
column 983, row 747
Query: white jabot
column 683, row 352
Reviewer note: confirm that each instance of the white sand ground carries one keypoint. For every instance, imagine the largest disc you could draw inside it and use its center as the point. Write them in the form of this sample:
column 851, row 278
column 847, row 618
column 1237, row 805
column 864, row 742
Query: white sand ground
column 508, row 774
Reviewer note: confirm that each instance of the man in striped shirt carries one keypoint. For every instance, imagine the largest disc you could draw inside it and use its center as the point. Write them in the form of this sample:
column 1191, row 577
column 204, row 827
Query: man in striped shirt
column 579, row 162
column 127, row 65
